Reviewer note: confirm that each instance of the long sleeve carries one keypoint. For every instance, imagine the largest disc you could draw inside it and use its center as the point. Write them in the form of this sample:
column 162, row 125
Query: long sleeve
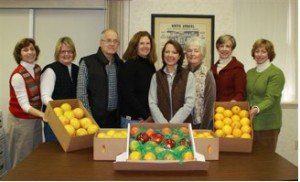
column 186, row 109
column 240, row 81
column 128, row 86
column 48, row 79
column 209, row 99
column 273, row 91
column 18, row 84
column 153, row 103
column 82, row 81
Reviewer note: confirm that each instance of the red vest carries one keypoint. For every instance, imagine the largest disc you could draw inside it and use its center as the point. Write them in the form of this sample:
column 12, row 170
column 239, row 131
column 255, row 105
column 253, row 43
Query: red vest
column 33, row 92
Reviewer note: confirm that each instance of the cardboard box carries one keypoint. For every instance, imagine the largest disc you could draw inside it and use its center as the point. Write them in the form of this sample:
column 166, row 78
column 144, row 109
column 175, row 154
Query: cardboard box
column 123, row 164
column 235, row 144
column 108, row 148
column 209, row 147
column 67, row 142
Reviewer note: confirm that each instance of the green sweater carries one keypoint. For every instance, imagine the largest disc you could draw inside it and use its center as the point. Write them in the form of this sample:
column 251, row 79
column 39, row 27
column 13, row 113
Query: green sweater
column 264, row 91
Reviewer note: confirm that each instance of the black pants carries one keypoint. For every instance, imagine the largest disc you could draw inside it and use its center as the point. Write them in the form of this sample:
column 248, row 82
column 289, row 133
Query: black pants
column 111, row 119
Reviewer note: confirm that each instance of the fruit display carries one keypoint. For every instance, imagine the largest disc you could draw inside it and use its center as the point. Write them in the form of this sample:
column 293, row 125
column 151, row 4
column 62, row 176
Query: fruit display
column 164, row 143
column 112, row 133
column 75, row 121
column 232, row 122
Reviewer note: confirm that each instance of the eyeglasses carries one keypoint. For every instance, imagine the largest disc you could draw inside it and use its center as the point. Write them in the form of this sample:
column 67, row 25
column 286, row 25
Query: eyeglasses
column 109, row 41
column 64, row 52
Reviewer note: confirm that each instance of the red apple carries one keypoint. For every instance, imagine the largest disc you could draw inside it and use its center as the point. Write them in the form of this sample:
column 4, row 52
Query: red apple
column 169, row 143
column 157, row 137
column 143, row 137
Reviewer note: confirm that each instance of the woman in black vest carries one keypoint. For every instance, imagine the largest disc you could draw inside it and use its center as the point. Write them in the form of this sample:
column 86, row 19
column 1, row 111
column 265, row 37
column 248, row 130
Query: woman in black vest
column 59, row 79
column 140, row 57
column 172, row 89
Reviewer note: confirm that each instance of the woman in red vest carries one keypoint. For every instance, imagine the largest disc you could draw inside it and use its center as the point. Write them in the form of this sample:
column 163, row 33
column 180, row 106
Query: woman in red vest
column 25, row 117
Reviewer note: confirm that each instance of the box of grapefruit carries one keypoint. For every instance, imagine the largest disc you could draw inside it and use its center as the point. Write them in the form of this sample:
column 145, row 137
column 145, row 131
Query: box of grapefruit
column 109, row 142
column 233, row 126
column 207, row 143
column 72, row 124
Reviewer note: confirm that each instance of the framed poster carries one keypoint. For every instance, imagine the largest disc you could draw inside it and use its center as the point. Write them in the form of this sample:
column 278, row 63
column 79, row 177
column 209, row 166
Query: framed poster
column 181, row 28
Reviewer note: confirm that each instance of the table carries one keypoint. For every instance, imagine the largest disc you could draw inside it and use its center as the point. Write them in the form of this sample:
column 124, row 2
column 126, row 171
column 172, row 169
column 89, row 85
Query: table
column 50, row 162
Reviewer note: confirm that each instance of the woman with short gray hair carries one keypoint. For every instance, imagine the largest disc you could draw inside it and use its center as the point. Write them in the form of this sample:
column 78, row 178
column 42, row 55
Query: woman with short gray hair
column 205, row 83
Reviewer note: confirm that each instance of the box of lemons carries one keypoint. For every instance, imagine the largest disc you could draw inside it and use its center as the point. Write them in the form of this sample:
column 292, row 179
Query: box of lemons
column 108, row 143
column 233, row 126
column 72, row 124
column 207, row 143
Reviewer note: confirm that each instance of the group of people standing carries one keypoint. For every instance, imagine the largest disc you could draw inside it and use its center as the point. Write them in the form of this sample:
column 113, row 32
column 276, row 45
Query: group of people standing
column 118, row 92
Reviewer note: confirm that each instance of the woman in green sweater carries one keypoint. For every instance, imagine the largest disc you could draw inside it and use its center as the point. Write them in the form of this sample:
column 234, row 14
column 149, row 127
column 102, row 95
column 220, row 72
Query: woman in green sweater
column 265, row 83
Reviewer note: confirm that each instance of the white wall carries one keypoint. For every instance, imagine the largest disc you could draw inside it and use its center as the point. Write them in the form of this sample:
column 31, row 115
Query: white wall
column 46, row 26
column 247, row 20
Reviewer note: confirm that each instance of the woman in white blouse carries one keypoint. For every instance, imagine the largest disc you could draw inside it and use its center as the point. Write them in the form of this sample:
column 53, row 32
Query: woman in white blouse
column 25, row 117
column 59, row 79
column 172, row 88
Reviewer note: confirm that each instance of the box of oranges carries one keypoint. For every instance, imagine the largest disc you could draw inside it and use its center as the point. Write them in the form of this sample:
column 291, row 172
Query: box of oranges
column 71, row 123
column 109, row 142
column 233, row 126
column 160, row 147
column 207, row 143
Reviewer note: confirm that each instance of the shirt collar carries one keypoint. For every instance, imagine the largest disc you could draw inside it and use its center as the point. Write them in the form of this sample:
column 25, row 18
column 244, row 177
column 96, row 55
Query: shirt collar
column 262, row 67
column 28, row 66
column 171, row 74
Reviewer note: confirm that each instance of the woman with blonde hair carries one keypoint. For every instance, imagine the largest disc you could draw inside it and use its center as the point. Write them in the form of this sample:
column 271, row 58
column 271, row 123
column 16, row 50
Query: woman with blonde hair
column 140, row 57
column 59, row 79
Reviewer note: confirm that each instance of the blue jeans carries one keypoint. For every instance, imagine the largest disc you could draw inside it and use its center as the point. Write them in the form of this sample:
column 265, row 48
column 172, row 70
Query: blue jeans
column 49, row 135
column 124, row 122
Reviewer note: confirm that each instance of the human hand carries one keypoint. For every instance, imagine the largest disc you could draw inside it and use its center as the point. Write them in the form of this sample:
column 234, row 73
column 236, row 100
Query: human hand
column 253, row 112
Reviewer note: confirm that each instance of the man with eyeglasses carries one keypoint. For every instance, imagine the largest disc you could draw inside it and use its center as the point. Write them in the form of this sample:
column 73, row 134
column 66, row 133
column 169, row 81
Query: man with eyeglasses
column 98, row 81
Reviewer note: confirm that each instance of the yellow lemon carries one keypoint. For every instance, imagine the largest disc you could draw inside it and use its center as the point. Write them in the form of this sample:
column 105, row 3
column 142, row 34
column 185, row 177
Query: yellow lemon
column 227, row 129
column 229, row 136
column 69, row 115
column 92, row 129
column 236, row 124
column 58, row 111
column 207, row 134
column 117, row 135
column 66, row 107
column 75, row 123
column 78, row 113
column 101, row 135
column 110, row 132
column 245, row 121
column 227, row 113
column 244, row 114
column 218, row 124
column 246, row 136
column 85, row 122
column 237, row 133
column 219, row 133
column 227, row 121
column 220, row 109
column 81, row 132
column 70, row 130
column 235, row 118
column 64, row 120
column 219, row 116
column 200, row 135
column 246, row 129
column 235, row 109
column 194, row 133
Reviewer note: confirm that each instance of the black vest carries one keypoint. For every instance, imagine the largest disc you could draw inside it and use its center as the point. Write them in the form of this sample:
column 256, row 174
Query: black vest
column 65, row 87
column 97, row 86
